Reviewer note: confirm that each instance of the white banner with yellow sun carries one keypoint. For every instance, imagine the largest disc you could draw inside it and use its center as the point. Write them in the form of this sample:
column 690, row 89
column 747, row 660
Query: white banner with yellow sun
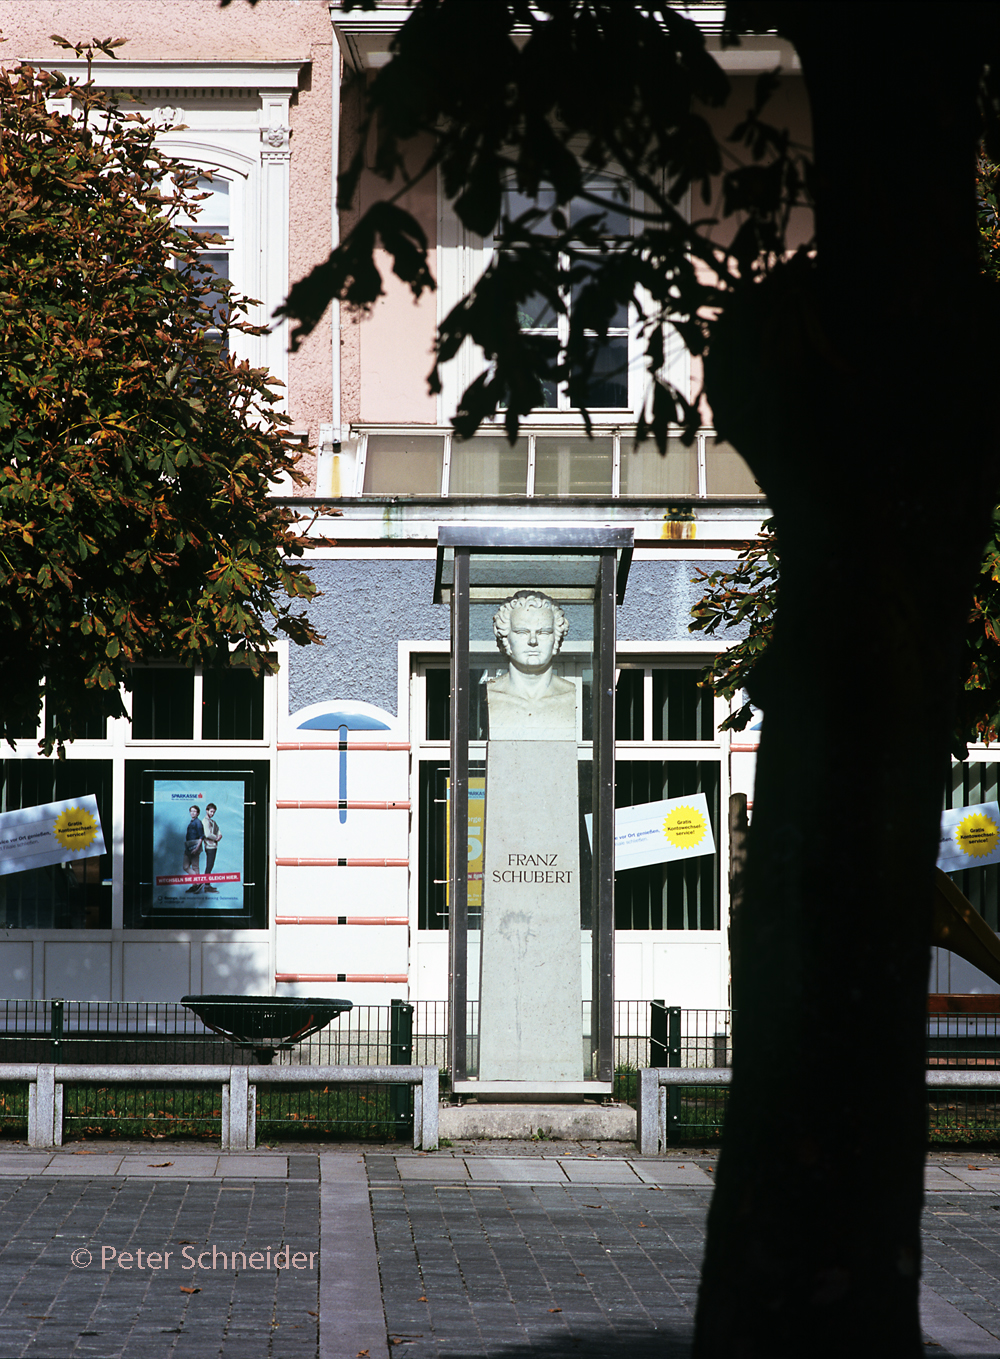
column 970, row 837
column 54, row 833
column 658, row 832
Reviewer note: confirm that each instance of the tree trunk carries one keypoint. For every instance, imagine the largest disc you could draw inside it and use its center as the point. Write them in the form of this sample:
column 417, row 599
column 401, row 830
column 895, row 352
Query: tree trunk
column 854, row 385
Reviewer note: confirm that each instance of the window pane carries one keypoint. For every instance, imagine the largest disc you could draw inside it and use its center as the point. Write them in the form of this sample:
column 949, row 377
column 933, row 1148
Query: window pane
column 618, row 320
column 726, row 472
column 489, row 467
column 617, row 221
column 683, row 895
column 212, row 265
column 59, row 896
column 214, row 214
column 629, row 706
column 162, row 704
column 90, row 729
column 537, row 313
column 404, row 464
column 232, row 705
column 515, row 203
column 682, row 711
column 646, row 471
column 573, row 466
column 608, row 382
column 438, row 720
column 432, row 897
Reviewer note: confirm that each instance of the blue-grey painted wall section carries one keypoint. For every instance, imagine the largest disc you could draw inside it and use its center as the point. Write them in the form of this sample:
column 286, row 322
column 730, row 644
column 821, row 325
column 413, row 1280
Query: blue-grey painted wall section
column 368, row 606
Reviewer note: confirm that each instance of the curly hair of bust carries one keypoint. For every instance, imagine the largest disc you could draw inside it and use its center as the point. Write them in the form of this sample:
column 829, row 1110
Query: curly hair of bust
column 528, row 599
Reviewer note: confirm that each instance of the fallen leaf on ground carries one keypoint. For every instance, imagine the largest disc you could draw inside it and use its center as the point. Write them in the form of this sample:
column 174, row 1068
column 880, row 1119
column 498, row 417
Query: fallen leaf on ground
column 185, row 1288
column 555, row 1309
column 975, row 1167
column 421, row 1299
column 362, row 1354
column 643, row 1224
column 89, row 1151
column 311, row 1314
column 158, row 1165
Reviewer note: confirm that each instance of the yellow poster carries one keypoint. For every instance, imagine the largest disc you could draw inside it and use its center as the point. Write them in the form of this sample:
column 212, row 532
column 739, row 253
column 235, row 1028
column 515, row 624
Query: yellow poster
column 477, row 826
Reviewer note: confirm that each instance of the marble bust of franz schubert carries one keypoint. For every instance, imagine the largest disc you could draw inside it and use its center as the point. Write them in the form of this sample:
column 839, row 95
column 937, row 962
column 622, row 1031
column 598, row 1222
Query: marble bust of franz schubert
column 531, row 702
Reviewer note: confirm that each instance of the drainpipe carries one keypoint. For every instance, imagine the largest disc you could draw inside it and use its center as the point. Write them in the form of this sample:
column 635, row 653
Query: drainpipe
column 329, row 478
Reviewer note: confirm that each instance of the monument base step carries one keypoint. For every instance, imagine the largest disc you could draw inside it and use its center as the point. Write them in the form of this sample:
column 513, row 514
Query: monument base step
column 558, row 1122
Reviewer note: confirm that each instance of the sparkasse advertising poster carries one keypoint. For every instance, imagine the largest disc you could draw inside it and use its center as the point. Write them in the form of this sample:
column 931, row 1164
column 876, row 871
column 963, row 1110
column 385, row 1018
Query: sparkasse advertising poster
column 198, row 829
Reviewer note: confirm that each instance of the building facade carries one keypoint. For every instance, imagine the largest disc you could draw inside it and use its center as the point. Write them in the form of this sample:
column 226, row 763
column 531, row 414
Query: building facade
column 329, row 779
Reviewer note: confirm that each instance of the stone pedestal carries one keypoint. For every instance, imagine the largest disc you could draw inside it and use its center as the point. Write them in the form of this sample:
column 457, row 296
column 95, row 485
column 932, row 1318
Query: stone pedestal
column 530, row 993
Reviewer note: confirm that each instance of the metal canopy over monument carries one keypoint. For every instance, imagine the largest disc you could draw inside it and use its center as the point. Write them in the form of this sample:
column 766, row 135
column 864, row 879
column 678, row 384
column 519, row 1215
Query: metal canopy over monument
column 530, row 892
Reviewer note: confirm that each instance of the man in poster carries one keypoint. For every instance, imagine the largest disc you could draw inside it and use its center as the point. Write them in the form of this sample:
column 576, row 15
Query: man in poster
column 194, row 838
column 212, row 837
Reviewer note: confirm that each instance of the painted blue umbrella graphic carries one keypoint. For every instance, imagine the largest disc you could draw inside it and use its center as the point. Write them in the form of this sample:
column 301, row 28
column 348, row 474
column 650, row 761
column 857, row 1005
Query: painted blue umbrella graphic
column 342, row 723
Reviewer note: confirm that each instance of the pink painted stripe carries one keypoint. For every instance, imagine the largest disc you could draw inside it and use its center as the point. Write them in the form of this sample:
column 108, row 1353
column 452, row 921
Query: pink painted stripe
column 342, row 863
column 341, row 977
column 341, row 920
column 348, row 745
column 294, row 804
column 734, row 746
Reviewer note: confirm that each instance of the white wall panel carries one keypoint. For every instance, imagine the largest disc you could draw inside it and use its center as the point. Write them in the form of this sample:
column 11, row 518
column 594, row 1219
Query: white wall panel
column 429, row 978
column 78, row 971
column 15, row 969
column 312, row 775
column 342, row 948
column 237, row 967
column 316, row 834
column 360, row 993
column 689, row 974
column 342, row 891
column 628, row 970
column 156, row 970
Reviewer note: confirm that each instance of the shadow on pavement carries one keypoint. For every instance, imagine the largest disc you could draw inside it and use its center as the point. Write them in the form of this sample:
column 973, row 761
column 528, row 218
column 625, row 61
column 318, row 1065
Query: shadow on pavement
column 640, row 1343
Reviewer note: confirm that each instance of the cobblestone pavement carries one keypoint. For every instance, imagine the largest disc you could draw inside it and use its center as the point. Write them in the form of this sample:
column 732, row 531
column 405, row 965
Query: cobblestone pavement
column 84, row 1262
column 489, row 1255
column 484, row 1249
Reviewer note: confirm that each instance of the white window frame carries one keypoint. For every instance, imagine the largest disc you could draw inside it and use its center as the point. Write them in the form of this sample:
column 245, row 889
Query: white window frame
column 462, row 259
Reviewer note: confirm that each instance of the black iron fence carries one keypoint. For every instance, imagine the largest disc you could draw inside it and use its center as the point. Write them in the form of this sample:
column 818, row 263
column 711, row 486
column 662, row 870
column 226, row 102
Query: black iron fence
column 166, row 1033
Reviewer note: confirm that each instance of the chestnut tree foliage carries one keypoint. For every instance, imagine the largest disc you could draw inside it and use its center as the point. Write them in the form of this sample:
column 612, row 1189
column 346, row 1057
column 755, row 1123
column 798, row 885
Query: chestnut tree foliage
column 136, row 454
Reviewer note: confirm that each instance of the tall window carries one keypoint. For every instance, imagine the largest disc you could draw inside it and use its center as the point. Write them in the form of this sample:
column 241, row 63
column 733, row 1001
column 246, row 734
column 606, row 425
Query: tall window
column 608, row 384
column 215, row 261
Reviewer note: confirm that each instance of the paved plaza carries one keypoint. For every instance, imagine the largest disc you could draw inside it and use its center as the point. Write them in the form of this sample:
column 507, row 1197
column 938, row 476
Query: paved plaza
column 526, row 1251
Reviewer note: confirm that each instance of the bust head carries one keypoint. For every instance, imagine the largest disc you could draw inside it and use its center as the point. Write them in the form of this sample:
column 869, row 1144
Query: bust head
column 530, row 628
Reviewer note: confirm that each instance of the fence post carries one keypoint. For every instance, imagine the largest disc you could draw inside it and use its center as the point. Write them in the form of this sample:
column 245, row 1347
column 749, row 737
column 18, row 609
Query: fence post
column 42, row 1130
column 658, row 1040
column 401, row 1054
column 56, row 1028
column 236, row 1111
column 428, row 1110
column 646, row 1112
column 673, row 1015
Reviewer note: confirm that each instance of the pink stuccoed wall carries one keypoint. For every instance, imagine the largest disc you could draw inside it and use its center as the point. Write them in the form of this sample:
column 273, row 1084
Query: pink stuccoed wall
column 387, row 354
column 198, row 29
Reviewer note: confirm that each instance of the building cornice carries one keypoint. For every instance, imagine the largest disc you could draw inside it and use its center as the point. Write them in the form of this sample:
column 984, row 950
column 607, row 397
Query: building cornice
column 180, row 74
